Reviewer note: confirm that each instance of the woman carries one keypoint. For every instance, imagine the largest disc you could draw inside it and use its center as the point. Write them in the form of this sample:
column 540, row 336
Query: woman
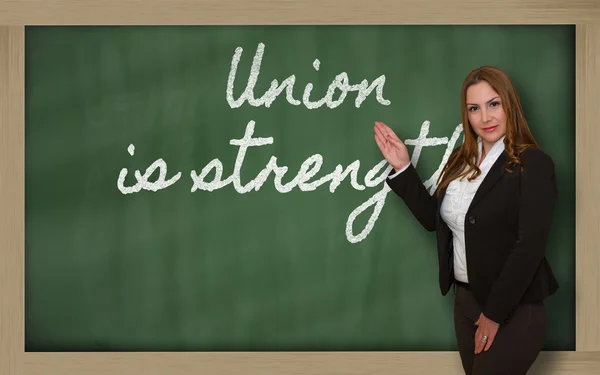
column 492, row 213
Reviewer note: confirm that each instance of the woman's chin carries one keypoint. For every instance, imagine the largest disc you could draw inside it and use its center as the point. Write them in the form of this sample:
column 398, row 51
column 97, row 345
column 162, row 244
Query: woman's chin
column 491, row 137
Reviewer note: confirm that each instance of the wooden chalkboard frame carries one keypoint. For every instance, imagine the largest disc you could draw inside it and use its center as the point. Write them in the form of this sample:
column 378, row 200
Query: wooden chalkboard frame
column 16, row 14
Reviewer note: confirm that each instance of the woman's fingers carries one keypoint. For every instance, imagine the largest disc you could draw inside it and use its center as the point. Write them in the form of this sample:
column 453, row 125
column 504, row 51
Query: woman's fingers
column 477, row 340
column 391, row 148
column 380, row 133
column 389, row 135
column 383, row 128
column 487, row 328
column 386, row 147
column 479, row 344
column 381, row 144
column 490, row 340
column 395, row 142
column 387, row 130
column 380, row 137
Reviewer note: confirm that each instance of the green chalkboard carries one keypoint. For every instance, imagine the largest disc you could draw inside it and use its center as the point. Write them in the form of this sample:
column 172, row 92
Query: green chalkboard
column 273, row 264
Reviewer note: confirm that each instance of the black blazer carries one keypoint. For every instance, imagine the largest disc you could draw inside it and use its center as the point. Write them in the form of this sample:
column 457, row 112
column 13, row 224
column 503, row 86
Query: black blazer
column 506, row 231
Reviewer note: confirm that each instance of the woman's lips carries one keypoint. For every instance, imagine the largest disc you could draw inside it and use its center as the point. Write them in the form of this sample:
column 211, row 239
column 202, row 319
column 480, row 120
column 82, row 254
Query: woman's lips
column 490, row 129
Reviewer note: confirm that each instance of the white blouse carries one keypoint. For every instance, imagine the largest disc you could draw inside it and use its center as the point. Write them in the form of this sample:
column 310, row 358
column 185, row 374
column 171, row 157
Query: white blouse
column 457, row 200
column 459, row 195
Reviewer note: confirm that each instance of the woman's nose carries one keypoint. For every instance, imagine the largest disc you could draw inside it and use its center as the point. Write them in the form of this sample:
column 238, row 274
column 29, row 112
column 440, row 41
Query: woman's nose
column 485, row 117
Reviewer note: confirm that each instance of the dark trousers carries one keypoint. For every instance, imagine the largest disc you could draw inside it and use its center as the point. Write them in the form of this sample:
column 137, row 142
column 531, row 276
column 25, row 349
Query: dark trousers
column 517, row 343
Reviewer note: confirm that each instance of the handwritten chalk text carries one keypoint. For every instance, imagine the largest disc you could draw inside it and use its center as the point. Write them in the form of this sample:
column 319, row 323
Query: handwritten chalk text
column 312, row 165
column 309, row 168
column 340, row 82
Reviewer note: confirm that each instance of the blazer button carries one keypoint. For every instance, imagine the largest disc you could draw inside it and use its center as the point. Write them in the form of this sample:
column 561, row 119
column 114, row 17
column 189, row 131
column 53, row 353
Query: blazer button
column 472, row 219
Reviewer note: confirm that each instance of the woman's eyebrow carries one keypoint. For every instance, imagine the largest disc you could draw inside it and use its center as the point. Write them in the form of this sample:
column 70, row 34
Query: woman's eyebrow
column 495, row 97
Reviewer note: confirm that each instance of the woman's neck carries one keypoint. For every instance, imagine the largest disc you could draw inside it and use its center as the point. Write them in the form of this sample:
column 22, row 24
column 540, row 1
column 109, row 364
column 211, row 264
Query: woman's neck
column 483, row 154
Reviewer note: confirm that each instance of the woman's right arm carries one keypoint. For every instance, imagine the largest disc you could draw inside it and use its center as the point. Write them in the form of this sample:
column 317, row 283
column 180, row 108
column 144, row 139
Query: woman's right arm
column 406, row 182
column 410, row 188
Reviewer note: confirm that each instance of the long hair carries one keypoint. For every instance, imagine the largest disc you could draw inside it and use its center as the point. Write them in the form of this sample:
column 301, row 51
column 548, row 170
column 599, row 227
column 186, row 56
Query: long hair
column 463, row 160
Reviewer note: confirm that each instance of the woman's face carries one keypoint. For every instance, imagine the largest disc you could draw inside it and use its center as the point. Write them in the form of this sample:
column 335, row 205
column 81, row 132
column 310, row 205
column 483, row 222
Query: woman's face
column 486, row 113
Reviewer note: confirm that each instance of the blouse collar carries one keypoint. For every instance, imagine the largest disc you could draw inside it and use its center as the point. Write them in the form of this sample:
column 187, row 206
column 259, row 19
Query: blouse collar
column 494, row 152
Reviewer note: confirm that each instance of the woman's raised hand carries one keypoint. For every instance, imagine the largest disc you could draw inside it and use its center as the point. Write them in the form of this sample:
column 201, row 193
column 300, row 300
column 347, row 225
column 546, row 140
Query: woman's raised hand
column 392, row 148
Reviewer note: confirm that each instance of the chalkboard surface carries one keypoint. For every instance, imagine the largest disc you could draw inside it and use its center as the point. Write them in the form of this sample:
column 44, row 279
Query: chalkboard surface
column 270, row 227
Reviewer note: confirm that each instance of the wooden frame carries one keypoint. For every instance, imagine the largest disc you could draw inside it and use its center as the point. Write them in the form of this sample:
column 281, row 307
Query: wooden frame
column 15, row 14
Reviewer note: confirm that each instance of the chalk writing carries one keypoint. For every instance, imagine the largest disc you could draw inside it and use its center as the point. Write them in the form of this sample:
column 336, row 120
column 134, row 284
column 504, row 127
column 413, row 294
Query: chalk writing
column 340, row 82
column 312, row 165
column 142, row 180
column 309, row 168
column 378, row 199
column 300, row 180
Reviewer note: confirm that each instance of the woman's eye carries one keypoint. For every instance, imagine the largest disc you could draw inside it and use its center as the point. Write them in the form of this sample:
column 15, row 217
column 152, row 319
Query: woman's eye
column 494, row 104
column 471, row 109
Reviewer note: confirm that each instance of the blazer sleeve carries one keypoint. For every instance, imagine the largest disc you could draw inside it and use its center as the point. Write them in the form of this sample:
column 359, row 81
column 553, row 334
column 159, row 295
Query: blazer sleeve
column 538, row 195
column 408, row 186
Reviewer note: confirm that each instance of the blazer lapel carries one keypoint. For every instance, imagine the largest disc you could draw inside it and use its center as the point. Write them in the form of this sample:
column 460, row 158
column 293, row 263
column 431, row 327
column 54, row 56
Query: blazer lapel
column 496, row 171
column 439, row 205
column 441, row 199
